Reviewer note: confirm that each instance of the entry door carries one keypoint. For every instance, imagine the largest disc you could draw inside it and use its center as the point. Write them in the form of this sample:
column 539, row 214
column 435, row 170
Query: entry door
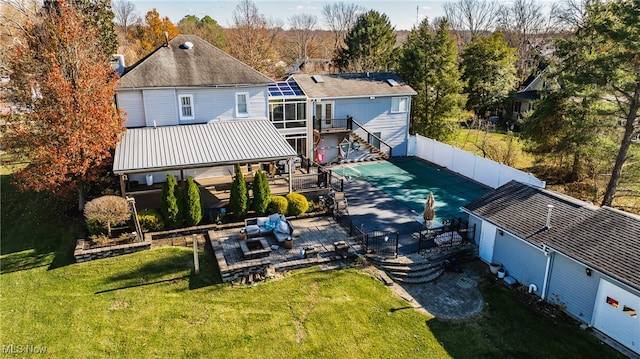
column 616, row 314
column 324, row 111
column 487, row 240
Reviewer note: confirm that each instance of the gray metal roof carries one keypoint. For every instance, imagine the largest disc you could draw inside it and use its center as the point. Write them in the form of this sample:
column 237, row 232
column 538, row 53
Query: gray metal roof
column 353, row 85
column 601, row 237
column 150, row 149
column 177, row 65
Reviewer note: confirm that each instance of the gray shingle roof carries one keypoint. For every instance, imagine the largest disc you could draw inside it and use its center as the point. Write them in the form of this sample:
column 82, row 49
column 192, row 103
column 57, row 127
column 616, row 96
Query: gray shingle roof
column 201, row 65
column 601, row 237
column 150, row 149
column 353, row 85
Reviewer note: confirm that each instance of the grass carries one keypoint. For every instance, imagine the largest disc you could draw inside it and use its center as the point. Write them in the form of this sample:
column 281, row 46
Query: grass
column 150, row 304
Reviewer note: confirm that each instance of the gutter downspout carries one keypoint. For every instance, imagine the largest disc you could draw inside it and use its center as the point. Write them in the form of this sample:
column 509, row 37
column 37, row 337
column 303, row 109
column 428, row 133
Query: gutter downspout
column 549, row 254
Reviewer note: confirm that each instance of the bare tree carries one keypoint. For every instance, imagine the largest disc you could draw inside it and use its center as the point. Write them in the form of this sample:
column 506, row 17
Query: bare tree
column 251, row 36
column 471, row 17
column 125, row 14
column 303, row 28
column 570, row 14
column 340, row 18
column 524, row 24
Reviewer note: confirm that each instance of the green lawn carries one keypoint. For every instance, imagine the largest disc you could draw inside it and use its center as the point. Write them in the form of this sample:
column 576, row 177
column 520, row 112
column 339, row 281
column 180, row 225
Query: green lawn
column 149, row 305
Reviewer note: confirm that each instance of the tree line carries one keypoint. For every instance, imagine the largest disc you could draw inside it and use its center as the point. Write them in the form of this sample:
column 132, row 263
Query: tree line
column 462, row 65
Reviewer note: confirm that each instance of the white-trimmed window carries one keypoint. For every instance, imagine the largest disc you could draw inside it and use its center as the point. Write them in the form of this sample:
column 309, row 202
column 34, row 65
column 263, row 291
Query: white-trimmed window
column 186, row 107
column 242, row 104
column 399, row 104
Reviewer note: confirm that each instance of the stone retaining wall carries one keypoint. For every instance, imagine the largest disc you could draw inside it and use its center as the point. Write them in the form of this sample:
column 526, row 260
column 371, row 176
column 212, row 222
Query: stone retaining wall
column 85, row 255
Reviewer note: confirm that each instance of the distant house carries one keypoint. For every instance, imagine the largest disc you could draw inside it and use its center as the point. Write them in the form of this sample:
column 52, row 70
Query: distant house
column 582, row 257
column 188, row 81
column 530, row 91
column 369, row 108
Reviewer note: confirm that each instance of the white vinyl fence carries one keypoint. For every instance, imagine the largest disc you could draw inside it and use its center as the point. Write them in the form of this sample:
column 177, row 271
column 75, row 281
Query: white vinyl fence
column 487, row 172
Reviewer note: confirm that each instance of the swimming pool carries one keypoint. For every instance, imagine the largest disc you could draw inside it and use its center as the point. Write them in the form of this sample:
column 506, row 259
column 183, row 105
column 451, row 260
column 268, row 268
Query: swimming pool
column 410, row 180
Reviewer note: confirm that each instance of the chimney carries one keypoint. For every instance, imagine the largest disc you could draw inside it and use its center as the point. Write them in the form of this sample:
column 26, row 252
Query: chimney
column 166, row 39
column 550, row 208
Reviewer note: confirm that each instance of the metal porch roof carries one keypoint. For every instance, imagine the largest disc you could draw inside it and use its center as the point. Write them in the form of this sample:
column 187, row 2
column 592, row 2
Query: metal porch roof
column 202, row 145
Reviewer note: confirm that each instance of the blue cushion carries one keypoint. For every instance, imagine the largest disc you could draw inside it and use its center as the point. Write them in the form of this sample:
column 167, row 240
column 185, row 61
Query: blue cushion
column 270, row 225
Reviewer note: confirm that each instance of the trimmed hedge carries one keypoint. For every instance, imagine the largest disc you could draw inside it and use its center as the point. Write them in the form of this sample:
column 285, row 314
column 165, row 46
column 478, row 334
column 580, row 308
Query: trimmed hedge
column 238, row 199
column 150, row 220
column 170, row 205
column 261, row 193
column 297, row 204
column 192, row 204
column 278, row 204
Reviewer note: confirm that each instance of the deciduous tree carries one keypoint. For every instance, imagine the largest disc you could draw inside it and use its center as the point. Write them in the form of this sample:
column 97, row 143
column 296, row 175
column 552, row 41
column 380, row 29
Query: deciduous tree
column 340, row 18
column 64, row 77
column 150, row 35
column 207, row 28
column 488, row 67
column 469, row 18
column 368, row 45
column 251, row 37
column 108, row 211
column 428, row 62
column 303, row 28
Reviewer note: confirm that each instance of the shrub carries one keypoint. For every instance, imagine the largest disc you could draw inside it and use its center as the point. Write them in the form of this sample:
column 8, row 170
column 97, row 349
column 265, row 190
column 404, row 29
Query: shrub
column 107, row 211
column 278, row 204
column 298, row 204
column 193, row 205
column 150, row 220
column 170, row 203
column 94, row 227
column 261, row 193
column 238, row 199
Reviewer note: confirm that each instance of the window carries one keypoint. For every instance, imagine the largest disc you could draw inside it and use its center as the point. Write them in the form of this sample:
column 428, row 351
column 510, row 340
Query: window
column 242, row 108
column 629, row 311
column 288, row 114
column 186, row 107
column 399, row 104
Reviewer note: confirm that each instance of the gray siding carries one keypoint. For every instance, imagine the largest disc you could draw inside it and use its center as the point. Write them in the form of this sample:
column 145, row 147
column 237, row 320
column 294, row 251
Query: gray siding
column 375, row 115
column 161, row 106
column 522, row 261
column 570, row 286
column 220, row 104
column 132, row 104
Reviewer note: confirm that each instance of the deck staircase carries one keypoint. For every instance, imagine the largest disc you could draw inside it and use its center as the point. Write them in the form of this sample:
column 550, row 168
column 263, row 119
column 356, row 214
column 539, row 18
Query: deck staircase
column 422, row 268
column 377, row 154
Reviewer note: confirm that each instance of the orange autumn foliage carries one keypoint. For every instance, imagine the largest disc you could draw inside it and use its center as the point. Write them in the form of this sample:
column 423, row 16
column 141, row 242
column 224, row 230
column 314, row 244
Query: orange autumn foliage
column 71, row 125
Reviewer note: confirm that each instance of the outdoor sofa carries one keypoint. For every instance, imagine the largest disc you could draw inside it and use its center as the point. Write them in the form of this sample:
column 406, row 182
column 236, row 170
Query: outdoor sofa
column 275, row 224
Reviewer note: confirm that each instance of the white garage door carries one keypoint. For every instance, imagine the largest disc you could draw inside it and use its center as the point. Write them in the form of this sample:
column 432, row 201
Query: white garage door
column 616, row 314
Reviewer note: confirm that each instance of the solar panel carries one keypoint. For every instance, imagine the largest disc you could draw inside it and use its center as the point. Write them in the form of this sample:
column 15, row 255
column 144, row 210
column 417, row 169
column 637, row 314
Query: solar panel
column 280, row 89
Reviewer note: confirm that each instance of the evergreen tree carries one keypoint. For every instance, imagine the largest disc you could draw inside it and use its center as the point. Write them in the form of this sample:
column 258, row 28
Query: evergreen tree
column 428, row 63
column 488, row 65
column 603, row 56
column 193, row 204
column 261, row 193
column 170, row 203
column 238, row 199
column 368, row 45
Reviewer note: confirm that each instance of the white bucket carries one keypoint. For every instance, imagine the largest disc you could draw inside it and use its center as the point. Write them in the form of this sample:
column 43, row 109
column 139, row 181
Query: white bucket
column 149, row 179
column 501, row 273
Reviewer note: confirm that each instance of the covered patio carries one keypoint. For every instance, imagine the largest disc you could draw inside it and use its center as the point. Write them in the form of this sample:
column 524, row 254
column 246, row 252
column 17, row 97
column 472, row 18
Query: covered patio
column 203, row 151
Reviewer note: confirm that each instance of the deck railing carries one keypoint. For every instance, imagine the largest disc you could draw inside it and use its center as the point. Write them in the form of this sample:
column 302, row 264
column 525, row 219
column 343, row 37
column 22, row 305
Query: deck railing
column 448, row 234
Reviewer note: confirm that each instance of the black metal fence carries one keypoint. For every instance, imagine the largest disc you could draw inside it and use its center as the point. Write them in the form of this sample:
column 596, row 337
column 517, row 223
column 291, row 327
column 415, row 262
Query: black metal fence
column 453, row 233
column 384, row 244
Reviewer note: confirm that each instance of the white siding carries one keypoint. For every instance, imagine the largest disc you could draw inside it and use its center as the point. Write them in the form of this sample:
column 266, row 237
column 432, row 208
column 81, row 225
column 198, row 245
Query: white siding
column 220, row 104
column 132, row 104
column 375, row 115
column 522, row 261
column 161, row 106
column 570, row 286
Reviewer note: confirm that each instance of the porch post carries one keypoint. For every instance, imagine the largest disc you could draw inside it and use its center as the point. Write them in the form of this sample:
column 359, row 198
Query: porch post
column 122, row 186
column 291, row 169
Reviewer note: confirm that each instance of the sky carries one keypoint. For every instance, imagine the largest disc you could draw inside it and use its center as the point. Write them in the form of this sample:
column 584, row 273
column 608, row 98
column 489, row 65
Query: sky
column 402, row 14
